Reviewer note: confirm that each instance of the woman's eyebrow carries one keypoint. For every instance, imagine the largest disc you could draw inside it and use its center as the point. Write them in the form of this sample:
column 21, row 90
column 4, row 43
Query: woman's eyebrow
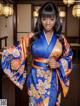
column 46, row 16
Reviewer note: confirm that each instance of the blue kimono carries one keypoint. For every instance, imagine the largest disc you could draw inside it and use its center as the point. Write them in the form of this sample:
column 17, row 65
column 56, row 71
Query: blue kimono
column 43, row 82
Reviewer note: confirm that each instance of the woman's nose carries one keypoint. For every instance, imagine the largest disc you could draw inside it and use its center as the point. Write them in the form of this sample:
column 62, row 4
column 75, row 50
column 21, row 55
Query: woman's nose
column 48, row 21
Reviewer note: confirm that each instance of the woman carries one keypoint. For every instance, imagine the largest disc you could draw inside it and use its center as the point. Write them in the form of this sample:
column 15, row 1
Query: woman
column 52, row 57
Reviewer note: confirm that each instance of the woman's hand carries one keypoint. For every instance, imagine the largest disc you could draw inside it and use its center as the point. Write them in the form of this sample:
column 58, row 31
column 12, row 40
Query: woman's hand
column 53, row 64
column 31, row 34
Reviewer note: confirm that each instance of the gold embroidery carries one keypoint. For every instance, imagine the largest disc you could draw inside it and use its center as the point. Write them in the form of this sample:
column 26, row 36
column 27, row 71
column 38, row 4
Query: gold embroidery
column 57, row 50
column 64, row 87
column 15, row 64
column 44, row 102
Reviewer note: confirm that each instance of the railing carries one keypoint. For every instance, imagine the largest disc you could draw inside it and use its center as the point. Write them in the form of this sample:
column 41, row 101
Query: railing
column 5, row 42
column 3, row 39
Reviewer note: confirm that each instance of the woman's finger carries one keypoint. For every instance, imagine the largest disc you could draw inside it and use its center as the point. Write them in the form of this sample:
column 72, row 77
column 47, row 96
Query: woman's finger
column 31, row 34
column 1, row 53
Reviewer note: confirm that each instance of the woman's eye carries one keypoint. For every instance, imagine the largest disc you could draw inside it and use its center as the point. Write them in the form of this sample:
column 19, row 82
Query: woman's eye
column 52, row 19
column 43, row 19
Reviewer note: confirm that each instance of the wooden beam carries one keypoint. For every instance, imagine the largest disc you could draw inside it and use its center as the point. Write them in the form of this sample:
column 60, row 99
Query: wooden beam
column 15, row 23
column 79, row 30
column 39, row 2
column 66, row 21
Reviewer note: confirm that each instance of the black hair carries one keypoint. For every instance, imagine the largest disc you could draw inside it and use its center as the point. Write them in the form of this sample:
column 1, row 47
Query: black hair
column 48, row 9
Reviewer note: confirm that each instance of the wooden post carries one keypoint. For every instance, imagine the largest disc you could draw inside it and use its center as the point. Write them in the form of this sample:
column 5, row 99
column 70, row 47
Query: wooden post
column 15, row 23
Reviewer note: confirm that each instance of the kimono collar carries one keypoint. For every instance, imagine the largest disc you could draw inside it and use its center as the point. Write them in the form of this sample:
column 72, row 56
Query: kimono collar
column 52, row 43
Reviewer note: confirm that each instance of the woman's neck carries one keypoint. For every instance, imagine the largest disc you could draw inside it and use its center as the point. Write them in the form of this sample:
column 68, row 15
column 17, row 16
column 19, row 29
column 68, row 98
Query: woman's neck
column 48, row 33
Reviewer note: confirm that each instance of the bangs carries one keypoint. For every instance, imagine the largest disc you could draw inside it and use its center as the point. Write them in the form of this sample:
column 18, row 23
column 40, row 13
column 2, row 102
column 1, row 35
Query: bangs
column 48, row 11
column 48, row 14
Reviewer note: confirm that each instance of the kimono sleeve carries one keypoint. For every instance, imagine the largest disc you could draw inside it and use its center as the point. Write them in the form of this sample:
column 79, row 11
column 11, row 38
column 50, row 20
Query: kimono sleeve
column 13, row 64
column 65, row 67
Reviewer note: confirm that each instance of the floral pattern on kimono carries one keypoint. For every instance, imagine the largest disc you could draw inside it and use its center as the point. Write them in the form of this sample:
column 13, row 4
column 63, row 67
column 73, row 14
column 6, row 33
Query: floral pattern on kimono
column 42, row 82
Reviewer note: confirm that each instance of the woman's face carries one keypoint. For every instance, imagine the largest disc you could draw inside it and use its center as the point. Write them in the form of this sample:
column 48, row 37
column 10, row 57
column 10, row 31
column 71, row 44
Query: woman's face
column 48, row 23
